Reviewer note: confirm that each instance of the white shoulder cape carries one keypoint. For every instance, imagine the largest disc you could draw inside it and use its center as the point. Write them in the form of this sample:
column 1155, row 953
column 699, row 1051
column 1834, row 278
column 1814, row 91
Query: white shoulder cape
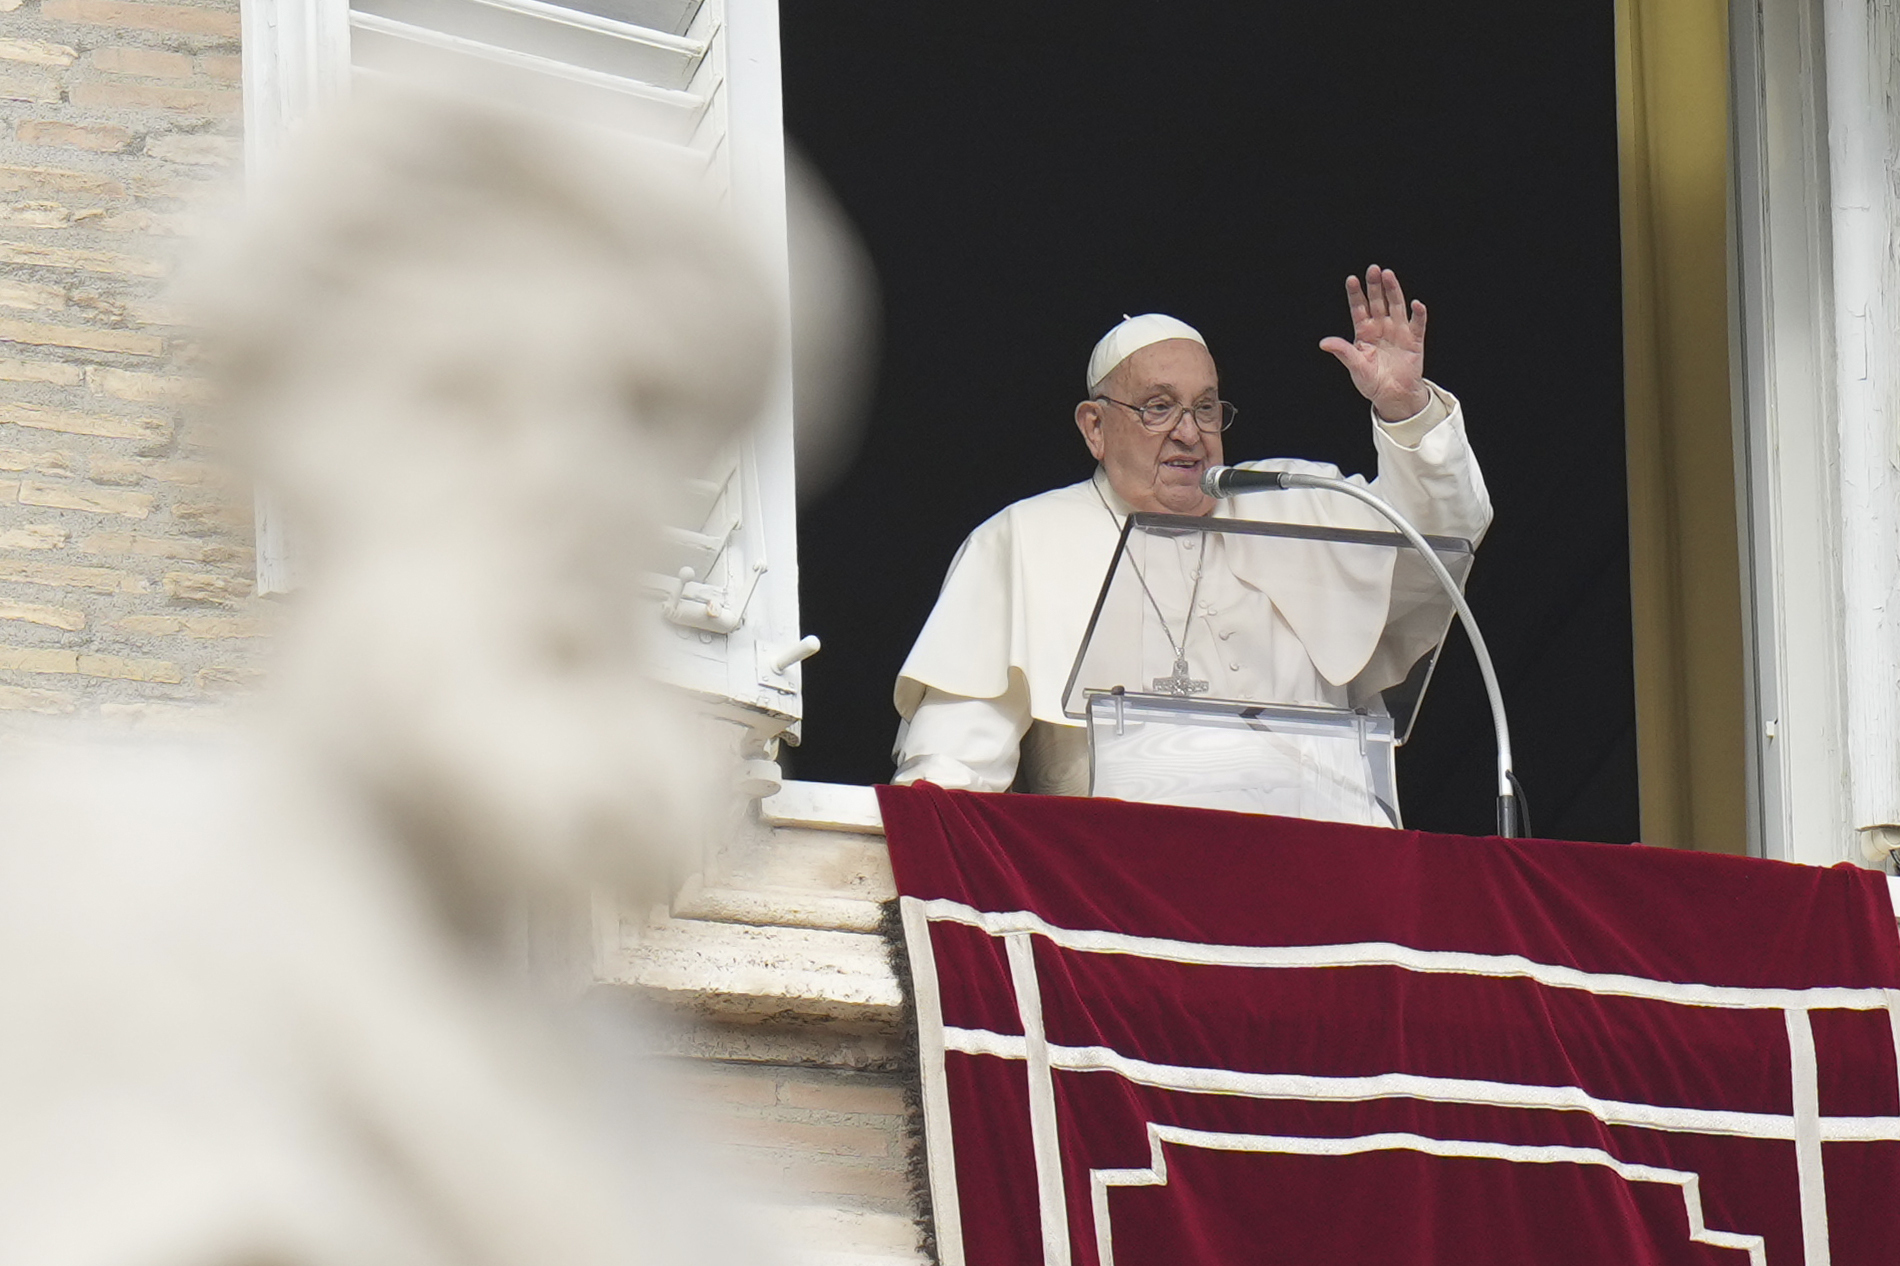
column 1020, row 591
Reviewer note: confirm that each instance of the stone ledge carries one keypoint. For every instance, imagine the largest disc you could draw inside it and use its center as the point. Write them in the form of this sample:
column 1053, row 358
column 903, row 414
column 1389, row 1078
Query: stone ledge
column 732, row 970
column 806, row 1043
column 778, row 907
column 813, row 862
column 825, row 806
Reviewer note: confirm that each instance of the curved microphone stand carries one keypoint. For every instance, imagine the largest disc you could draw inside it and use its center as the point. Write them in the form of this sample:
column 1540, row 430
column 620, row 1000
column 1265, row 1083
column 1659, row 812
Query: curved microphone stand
column 1228, row 481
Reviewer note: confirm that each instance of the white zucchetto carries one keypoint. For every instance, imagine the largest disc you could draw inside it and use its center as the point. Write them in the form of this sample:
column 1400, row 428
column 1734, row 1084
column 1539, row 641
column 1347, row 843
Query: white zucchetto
column 1133, row 334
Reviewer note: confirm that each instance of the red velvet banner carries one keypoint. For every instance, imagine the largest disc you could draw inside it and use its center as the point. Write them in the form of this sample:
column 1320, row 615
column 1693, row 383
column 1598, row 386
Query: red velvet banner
column 1173, row 1037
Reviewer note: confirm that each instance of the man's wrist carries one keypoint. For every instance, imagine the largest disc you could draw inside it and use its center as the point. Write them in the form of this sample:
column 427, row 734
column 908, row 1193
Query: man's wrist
column 1408, row 433
column 1403, row 409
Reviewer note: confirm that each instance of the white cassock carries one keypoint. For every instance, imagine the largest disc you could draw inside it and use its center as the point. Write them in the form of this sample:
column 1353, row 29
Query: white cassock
column 981, row 692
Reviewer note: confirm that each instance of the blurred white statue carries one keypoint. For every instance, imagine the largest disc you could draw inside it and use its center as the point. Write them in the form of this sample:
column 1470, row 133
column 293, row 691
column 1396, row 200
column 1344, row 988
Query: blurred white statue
column 255, row 996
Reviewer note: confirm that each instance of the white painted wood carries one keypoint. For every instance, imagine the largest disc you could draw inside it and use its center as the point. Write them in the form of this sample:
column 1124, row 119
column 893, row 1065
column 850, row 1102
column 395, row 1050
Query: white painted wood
column 557, row 33
column 671, row 114
column 275, row 574
column 1786, row 459
column 296, row 57
column 755, row 156
column 672, row 16
column 1863, row 76
column 697, row 79
column 296, row 63
column 1813, row 280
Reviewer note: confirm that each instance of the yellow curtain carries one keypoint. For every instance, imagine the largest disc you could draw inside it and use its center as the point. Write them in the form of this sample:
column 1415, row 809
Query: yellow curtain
column 1685, row 580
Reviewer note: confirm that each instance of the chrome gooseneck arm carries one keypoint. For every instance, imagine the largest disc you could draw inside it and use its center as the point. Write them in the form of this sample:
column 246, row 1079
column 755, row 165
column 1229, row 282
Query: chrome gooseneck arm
column 1227, row 481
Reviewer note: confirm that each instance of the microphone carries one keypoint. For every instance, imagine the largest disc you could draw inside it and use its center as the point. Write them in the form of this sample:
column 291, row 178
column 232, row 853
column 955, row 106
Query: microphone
column 1227, row 481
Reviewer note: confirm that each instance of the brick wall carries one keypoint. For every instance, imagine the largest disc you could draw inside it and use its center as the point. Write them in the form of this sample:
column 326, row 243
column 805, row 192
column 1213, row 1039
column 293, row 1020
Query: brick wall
column 125, row 555
column 772, row 982
column 835, row 1149
column 127, row 568
column 838, row 1134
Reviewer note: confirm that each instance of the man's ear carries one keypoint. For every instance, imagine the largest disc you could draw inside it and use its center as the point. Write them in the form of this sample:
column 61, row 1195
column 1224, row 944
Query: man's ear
column 1088, row 420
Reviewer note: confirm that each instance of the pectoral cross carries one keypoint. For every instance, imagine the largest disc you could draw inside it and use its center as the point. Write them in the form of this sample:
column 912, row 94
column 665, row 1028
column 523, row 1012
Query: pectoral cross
column 1178, row 682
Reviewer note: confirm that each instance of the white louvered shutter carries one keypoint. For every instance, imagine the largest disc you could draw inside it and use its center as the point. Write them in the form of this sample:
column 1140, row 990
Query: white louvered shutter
column 698, row 82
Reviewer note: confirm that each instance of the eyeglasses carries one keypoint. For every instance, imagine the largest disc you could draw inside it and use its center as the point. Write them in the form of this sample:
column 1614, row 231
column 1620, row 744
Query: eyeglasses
column 1163, row 416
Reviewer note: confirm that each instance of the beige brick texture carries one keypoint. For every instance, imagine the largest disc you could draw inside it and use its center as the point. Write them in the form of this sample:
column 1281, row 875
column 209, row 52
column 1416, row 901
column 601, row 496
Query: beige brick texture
column 133, row 505
column 43, row 255
column 193, row 149
column 123, row 384
column 53, row 372
column 809, row 1135
column 149, row 62
column 23, row 86
column 130, row 669
column 89, row 339
column 100, row 580
column 38, row 659
column 46, row 461
column 55, row 617
column 128, row 15
column 15, row 179
column 49, row 702
column 105, row 138
column 126, row 560
column 37, row 53
column 34, row 536
column 104, row 425
column 112, row 96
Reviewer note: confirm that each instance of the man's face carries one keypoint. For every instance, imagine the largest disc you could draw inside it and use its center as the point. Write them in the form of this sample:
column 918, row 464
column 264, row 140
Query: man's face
column 1155, row 472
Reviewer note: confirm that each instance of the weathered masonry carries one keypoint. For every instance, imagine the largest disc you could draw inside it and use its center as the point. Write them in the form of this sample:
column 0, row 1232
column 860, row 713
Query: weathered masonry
column 126, row 564
column 129, row 568
column 777, row 968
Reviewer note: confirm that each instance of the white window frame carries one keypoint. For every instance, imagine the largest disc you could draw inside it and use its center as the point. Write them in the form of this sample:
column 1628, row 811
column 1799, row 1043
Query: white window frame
column 297, row 62
column 1814, row 408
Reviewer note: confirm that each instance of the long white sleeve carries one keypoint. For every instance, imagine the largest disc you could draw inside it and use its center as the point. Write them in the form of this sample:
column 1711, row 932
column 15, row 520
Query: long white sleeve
column 1428, row 472
column 956, row 741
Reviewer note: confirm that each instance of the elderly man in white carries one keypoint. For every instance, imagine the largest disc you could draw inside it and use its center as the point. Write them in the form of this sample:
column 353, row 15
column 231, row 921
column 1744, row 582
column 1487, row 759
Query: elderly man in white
column 981, row 692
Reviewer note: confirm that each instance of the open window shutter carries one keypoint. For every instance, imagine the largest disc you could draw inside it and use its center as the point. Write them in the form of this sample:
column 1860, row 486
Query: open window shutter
column 695, row 81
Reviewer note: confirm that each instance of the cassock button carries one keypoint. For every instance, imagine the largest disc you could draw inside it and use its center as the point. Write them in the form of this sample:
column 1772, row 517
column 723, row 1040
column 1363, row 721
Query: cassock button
column 1225, row 634
column 1235, row 667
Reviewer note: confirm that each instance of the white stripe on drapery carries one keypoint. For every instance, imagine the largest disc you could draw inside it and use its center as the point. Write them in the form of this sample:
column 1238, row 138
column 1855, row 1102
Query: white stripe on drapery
column 1385, row 954
column 1805, row 1127
column 1051, row 1205
column 1492, row 1094
column 1159, row 1136
column 1809, row 1175
column 939, row 1144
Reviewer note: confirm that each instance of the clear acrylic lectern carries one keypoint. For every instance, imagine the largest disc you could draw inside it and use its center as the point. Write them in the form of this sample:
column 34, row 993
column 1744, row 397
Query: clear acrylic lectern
column 1259, row 667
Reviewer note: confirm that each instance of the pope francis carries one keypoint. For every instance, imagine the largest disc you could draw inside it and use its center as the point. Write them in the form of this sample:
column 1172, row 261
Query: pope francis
column 981, row 692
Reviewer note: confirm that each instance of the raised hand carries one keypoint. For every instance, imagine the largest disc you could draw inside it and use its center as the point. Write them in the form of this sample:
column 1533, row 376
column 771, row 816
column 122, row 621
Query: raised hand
column 1386, row 357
